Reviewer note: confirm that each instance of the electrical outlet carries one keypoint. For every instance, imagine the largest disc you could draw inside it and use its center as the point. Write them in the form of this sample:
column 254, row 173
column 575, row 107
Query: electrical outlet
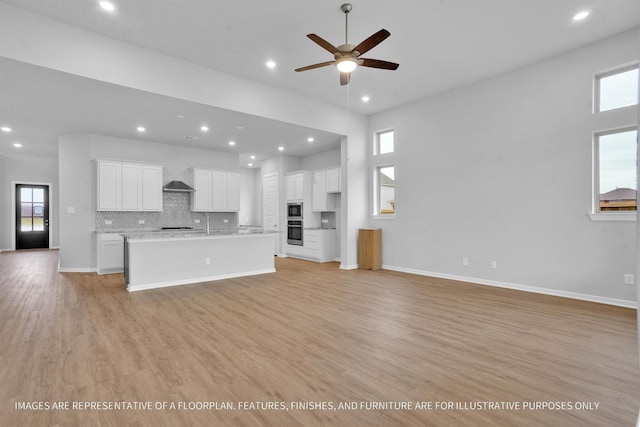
column 629, row 279
column 226, row 221
column 108, row 222
column 207, row 261
column 197, row 221
column 141, row 221
column 494, row 265
column 465, row 261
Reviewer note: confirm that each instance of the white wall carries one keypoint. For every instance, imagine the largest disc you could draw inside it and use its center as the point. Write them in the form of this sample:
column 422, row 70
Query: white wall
column 324, row 160
column 26, row 37
column 249, row 209
column 502, row 170
column 77, row 183
column 31, row 169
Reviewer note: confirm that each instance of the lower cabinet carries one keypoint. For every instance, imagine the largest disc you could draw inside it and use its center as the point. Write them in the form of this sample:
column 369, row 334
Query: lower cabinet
column 318, row 245
column 110, row 253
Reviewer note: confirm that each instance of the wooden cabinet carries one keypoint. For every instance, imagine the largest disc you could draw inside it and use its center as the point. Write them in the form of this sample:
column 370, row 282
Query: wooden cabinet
column 129, row 186
column 216, row 191
column 110, row 253
column 370, row 249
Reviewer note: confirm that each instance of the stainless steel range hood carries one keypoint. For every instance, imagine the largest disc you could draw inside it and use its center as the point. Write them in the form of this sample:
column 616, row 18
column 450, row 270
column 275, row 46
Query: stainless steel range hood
column 179, row 187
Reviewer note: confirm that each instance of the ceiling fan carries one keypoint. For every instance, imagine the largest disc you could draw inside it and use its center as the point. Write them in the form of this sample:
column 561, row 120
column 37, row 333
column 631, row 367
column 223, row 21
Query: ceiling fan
column 347, row 56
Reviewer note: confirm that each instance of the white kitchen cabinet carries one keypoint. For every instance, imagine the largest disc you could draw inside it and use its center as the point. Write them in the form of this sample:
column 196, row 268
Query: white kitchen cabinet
column 110, row 253
column 131, row 187
column 322, row 201
column 152, row 181
column 333, row 180
column 319, row 245
column 215, row 191
column 128, row 186
column 109, row 186
column 295, row 186
column 202, row 198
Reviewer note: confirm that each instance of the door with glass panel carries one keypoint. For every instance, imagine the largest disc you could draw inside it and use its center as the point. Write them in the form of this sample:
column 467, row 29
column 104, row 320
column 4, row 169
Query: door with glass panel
column 32, row 216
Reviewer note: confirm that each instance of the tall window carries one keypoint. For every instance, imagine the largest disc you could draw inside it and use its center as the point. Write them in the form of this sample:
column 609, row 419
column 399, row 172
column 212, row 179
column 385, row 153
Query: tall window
column 386, row 187
column 615, row 175
column 617, row 89
column 384, row 184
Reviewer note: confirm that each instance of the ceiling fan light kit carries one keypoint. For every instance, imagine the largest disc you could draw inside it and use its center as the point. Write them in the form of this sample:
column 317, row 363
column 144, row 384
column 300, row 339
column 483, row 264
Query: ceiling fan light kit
column 347, row 56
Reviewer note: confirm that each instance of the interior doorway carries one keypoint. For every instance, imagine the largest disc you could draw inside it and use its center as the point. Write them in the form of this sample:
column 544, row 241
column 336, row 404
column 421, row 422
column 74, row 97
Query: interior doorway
column 32, row 216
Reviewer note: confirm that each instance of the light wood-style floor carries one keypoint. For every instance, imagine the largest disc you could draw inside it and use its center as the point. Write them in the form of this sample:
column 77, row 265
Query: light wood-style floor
column 308, row 333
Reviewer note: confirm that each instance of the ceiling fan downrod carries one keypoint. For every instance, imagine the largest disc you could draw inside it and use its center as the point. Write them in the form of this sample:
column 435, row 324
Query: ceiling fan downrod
column 346, row 8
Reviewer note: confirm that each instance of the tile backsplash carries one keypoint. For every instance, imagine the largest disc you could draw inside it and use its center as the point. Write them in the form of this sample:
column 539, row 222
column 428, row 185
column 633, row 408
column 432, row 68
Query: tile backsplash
column 176, row 213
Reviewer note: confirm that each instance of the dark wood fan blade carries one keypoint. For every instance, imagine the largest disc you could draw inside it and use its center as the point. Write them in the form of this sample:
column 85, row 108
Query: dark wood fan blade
column 377, row 63
column 311, row 67
column 323, row 43
column 372, row 41
column 344, row 78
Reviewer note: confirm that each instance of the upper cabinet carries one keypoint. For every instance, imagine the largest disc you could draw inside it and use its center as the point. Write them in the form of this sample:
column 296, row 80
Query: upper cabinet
column 216, row 191
column 325, row 183
column 295, row 186
column 128, row 186
column 333, row 180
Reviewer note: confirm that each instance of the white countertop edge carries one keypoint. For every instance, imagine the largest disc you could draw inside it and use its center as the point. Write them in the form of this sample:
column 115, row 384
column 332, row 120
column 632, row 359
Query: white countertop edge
column 197, row 237
column 132, row 287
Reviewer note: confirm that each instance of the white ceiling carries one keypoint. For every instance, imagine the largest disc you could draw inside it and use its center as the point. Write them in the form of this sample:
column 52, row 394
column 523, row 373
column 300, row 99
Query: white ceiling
column 439, row 44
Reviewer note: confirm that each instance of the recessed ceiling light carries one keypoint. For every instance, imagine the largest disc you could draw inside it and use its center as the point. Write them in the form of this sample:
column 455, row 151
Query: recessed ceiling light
column 366, row 98
column 310, row 139
column 271, row 64
column 17, row 144
column 253, row 157
column 204, row 128
column 581, row 15
column 281, row 148
column 250, row 164
column 239, row 127
column 108, row 6
column 5, row 129
column 232, row 143
column 141, row 129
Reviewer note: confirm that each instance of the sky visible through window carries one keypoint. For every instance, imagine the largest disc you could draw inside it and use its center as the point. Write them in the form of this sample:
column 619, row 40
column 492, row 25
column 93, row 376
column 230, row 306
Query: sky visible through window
column 619, row 90
column 618, row 161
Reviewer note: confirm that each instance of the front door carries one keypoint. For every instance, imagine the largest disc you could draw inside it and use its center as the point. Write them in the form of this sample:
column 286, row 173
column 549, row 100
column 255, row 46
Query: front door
column 32, row 216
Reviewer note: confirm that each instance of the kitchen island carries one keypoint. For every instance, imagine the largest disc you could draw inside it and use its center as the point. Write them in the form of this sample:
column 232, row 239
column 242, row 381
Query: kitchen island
column 161, row 259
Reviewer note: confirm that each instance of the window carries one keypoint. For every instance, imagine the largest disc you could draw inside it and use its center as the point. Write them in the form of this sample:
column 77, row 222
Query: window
column 31, row 209
column 617, row 89
column 384, row 142
column 615, row 177
column 385, row 184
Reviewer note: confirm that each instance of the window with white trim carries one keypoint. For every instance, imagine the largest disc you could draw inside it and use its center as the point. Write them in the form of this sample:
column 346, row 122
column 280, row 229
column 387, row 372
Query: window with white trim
column 616, row 88
column 385, row 190
column 615, row 176
column 384, row 142
column 383, row 168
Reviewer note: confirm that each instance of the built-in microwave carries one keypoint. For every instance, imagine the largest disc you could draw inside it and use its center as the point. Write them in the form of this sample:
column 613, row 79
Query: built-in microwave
column 294, row 210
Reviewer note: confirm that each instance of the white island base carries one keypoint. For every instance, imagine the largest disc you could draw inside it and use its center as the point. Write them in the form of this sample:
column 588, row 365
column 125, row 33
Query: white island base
column 155, row 262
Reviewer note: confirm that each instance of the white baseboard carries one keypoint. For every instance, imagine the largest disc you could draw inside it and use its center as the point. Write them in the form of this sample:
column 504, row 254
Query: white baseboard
column 348, row 267
column 518, row 287
column 143, row 287
column 75, row 270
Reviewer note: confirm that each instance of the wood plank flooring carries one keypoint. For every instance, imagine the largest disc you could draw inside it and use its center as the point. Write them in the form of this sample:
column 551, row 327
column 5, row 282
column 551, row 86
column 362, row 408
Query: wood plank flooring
column 309, row 333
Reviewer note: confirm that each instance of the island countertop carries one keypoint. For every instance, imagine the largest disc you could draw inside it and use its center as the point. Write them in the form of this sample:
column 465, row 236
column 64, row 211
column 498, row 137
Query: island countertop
column 192, row 234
